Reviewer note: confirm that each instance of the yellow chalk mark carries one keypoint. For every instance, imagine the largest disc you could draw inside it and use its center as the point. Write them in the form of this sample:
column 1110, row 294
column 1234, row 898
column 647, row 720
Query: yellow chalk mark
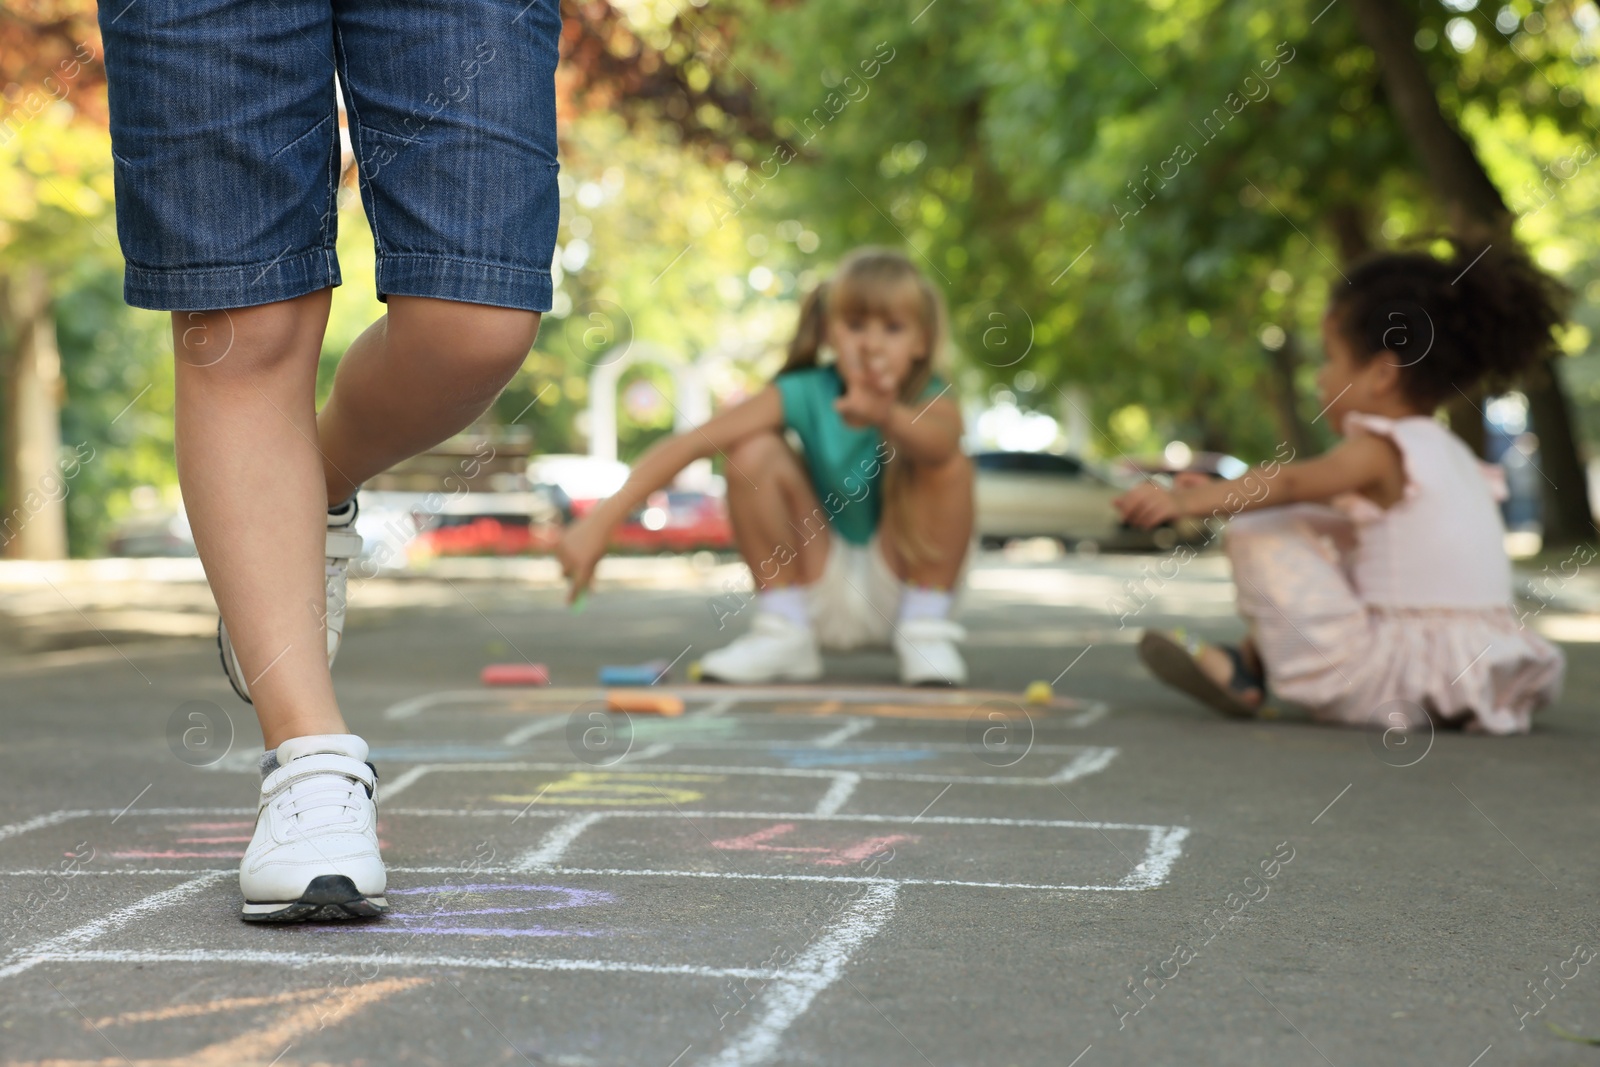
column 185, row 1011
column 615, row 789
column 260, row 1046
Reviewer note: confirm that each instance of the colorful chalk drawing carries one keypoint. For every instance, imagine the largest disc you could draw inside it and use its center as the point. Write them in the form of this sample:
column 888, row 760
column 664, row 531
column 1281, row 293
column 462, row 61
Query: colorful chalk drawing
column 400, row 921
column 615, row 788
column 255, row 1046
column 827, row 857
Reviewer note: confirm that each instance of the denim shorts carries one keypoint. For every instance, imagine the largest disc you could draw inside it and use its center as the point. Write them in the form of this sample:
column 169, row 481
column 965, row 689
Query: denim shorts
column 226, row 146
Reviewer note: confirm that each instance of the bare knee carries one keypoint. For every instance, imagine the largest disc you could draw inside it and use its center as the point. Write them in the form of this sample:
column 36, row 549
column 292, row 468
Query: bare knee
column 761, row 460
column 952, row 475
column 481, row 342
column 225, row 346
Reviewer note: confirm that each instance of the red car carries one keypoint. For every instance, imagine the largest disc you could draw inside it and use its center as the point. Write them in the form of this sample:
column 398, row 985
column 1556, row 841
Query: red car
column 677, row 520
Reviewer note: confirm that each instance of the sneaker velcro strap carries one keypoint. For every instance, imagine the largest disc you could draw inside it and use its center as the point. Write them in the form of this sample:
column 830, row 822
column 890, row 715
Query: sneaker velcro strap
column 343, row 544
column 318, row 763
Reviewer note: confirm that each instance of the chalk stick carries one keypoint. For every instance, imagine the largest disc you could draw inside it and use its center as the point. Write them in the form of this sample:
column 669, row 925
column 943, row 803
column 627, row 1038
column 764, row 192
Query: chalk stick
column 515, row 674
column 634, row 673
column 643, row 702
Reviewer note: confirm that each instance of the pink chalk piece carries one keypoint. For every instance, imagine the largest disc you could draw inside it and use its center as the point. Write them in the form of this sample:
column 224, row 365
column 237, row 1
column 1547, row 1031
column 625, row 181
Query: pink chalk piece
column 515, row 674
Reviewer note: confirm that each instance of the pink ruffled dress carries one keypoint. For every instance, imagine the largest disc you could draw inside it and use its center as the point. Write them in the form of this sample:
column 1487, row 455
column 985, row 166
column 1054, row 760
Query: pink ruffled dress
column 1390, row 616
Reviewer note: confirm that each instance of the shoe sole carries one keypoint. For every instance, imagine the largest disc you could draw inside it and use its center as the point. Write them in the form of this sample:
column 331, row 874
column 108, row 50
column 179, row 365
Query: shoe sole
column 1172, row 664
column 328, row 897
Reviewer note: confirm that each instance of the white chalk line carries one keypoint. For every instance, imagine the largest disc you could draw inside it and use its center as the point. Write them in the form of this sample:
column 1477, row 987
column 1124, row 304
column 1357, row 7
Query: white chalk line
column 39, row 822
column 838, row 794
column 411, row 707
column 727, row 698
column 556, row 842
column 648, row 752
column 403, row 781
column 718, row 707
column 844, row 733
column 1162, row 851
column 1090, row 760
column 27, row 958
column 309, row 959
column 626, row 872
column 786, row 999
column 656, row 813
column 1091, row 715
column 533, row 729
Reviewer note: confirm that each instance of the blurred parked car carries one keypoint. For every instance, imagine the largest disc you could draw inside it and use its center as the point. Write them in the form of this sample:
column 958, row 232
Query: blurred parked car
column 586, row 480
column 1046, row 494
column 677, row 520
column 493, row 524
column 153, row 533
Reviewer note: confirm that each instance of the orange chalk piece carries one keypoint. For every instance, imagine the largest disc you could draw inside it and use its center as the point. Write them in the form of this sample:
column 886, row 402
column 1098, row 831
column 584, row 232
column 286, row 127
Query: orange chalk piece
column 515, row 674
column 643, row 702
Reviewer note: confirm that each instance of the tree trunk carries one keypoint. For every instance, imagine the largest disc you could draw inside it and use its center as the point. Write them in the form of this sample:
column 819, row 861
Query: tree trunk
column 33, row 523
column 1283, row 364
column 1479, row 216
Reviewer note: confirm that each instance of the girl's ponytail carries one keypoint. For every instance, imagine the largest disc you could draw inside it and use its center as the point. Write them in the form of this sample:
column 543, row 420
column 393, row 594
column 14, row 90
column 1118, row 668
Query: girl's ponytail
column 810, row 332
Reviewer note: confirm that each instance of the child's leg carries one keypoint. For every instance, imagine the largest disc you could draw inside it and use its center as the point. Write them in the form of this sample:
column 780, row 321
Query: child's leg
column 253, row 489
column 779, row 524
column 416, row 376
column 1308, row 626
column 939, row 505
column 782, row 532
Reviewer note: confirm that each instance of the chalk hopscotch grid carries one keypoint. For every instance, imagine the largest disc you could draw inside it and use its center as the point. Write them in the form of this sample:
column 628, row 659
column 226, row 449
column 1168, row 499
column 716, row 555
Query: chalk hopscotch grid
column 1163, row 846
column 787, row 993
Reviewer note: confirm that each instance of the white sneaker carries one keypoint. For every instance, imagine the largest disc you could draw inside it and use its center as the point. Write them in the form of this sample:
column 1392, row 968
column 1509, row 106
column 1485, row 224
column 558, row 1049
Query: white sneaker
column 776, row 649
column 928, row 653
column 342, row 545
column 314, row 854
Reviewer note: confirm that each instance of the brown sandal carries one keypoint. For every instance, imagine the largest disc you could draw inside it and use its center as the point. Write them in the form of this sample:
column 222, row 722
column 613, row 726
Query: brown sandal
column 1174, row 658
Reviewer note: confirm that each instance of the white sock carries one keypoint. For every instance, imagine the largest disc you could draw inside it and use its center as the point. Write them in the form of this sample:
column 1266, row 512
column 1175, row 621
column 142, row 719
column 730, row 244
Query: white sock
column 923, row 602
column 789, row 602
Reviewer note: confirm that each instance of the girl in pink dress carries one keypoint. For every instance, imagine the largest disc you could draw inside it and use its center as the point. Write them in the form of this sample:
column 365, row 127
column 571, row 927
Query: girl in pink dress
column 1373, row 578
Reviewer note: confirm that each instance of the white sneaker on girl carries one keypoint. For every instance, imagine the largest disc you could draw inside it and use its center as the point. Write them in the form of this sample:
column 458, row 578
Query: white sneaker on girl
column 314, row 853
column 776, row 649
column 928, row 653
column 342, row 545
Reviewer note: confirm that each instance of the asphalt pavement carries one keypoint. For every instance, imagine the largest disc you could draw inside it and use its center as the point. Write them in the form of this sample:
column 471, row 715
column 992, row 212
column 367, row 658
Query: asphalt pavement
column 848, row 873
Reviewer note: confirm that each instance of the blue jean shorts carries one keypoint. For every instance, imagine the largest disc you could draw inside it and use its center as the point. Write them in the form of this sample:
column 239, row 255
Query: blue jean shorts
column 226, row 146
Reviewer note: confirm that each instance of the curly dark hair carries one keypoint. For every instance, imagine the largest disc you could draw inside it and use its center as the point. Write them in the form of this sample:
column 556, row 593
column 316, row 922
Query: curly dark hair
column 1485, row 315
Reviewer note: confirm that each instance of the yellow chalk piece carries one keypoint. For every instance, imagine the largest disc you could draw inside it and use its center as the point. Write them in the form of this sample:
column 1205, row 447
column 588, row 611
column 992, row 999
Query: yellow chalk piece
column 693, row 670
column 1267, row 712
column 1037, row 693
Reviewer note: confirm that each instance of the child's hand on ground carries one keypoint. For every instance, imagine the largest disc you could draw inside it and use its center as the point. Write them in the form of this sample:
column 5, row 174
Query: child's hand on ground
column 579, row 551
column 1147, row 505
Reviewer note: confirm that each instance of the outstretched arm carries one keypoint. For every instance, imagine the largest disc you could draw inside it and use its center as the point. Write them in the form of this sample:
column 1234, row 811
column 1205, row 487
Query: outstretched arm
column 585, row 541
column 1357, row 464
